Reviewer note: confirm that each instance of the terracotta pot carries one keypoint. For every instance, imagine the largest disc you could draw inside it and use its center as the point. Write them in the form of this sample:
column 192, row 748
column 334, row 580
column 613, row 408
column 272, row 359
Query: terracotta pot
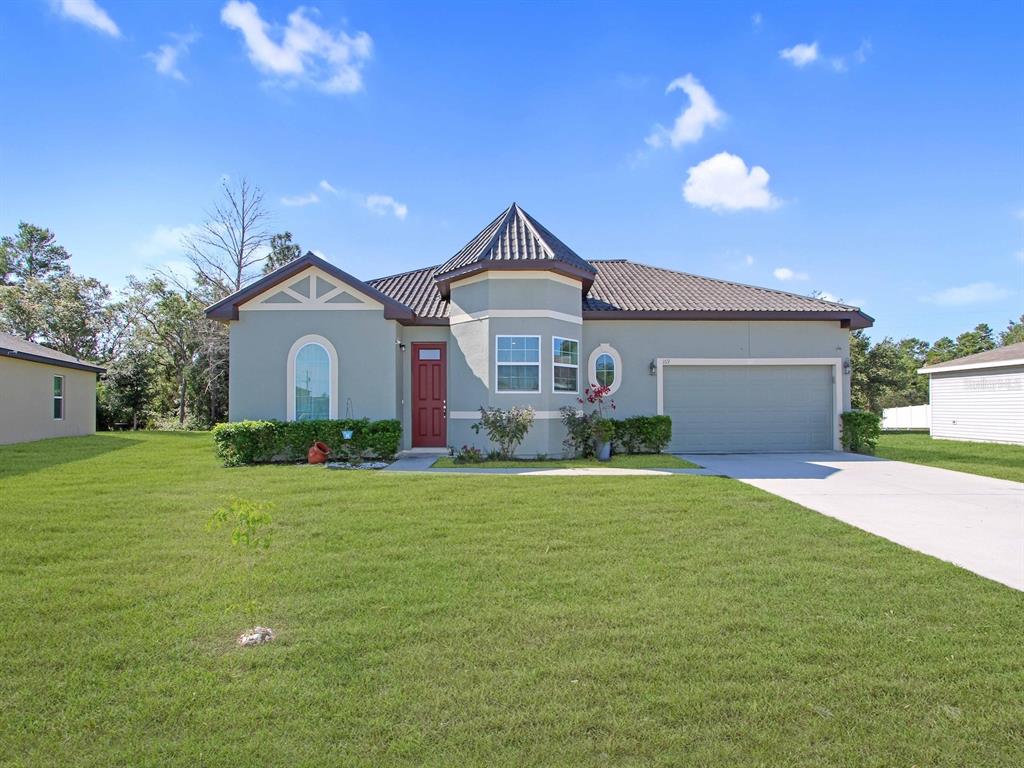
column 317, row 453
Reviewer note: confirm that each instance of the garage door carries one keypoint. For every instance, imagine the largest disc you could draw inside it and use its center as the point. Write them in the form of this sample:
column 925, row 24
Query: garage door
column 737, row 409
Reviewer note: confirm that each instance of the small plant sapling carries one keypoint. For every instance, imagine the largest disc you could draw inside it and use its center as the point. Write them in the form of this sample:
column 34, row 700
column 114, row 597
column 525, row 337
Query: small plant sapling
column 250, row 523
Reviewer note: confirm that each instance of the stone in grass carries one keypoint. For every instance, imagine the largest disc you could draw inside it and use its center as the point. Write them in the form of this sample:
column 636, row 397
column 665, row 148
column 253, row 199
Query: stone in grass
column 363, row 465
column 255, row 636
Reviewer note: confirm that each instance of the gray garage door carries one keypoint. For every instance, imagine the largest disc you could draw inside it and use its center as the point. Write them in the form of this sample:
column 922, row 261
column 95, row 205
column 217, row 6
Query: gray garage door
column 740, row 409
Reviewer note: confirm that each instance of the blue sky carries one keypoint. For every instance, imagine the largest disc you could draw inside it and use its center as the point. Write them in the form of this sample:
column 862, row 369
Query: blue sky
column 871, row 151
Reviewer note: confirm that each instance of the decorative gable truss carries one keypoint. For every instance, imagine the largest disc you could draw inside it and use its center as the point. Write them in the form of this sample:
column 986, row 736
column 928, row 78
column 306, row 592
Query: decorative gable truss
column 312, row 289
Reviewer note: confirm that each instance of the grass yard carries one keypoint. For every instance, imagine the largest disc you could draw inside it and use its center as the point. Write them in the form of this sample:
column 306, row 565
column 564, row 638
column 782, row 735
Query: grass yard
column 631, row 461
column 478, row 621
column 991, row 459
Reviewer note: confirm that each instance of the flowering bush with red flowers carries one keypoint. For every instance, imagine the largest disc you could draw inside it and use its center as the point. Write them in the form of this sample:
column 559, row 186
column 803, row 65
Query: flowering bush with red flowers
column 597, row 394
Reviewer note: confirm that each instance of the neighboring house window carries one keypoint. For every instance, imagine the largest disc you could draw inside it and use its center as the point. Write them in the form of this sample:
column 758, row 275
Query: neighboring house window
column 518, row 363
column 58, row 397
column 565, row 359
column 312, row 379
column 605, row 367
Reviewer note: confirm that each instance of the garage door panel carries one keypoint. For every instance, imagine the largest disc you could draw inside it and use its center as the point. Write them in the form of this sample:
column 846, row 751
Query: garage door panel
column 723, row 409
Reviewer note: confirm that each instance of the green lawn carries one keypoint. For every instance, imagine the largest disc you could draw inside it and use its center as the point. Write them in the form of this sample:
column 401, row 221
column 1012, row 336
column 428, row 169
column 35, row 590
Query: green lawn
column 632, row 461
column 991, row 459
column 478, row 621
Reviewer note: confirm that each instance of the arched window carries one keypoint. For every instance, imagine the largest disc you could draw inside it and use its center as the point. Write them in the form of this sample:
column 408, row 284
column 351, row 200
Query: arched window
column 606, row 367
column 312, row 380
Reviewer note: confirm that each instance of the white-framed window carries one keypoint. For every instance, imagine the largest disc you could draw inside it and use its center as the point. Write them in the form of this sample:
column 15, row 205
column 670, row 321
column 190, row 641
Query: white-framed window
column 58, row 398
column 312, row 379
column 605, row 367
column 517, row 363
column 565, row 365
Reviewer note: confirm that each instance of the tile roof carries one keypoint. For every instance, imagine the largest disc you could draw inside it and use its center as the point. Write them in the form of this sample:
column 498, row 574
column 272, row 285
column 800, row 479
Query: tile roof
column 1010, row 354
column 623, row 286
column 514, row 236
column 417, row 290
column 18, row 348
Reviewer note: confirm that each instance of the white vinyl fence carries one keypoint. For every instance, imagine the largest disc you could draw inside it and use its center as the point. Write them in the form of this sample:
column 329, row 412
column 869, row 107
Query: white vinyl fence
column 908, row 417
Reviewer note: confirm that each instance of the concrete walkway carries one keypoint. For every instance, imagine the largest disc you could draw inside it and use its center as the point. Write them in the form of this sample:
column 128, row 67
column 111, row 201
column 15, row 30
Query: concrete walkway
column 422, row 463
column 973, row 521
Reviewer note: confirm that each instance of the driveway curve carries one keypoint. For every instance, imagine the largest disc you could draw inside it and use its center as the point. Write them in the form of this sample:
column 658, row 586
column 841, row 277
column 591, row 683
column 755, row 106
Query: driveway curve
column 973, row 521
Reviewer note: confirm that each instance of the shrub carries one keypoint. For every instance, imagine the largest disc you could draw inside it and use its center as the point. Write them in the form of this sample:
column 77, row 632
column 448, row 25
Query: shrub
column 468, row 454
column 643, row 434
column 505, row 426
column 861, row 430
column 579, row 434
column 257, row 442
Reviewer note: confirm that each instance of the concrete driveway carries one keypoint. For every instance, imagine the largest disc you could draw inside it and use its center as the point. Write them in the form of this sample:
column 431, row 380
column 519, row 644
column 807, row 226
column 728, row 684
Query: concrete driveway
column 973, row 521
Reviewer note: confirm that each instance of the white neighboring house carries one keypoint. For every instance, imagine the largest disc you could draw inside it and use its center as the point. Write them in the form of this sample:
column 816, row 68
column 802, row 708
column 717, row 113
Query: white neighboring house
column 979, row 397
column 44, row 393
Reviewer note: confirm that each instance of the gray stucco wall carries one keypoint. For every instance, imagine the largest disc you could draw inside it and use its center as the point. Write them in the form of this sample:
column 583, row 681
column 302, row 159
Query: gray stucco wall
column 471, row 362
column 26, row 401
column 259, row 344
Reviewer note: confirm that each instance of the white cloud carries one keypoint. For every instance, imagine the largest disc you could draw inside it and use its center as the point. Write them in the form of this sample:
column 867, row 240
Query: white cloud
column 384, row 204
column 748, row 260
column 306, row 53
column 691, row 122
column 89, row 13
column 297, row 201
column 164, row 242
column 757, row 20
column 801, row 54
column 723, row 183
column 1019, row 256
column 166, row 56
column 785, row 274
column 325, row 185
column 972, row 293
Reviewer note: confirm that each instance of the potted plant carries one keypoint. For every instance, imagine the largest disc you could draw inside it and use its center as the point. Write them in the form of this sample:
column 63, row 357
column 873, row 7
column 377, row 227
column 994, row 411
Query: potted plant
column 602, row 428
column 603, row 431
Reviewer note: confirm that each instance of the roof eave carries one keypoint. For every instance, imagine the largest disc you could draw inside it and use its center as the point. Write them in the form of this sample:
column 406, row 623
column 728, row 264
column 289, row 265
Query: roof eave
column 852, row 320
column 31, row 358
column 938, row 368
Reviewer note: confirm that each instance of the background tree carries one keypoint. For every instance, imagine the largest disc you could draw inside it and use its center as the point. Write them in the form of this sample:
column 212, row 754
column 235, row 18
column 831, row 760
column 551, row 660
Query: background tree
column 130, row 386
column 942, row 350
column 32, row 254
column 232, row 241
column 1014, row 333
column 980, row 339
column 174, row 323
column 282, row 251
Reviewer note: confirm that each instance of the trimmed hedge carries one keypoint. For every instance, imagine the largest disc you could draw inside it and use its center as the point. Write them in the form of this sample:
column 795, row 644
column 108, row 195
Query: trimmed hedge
column 861, row 430
column 643, row 434
column 261, row 442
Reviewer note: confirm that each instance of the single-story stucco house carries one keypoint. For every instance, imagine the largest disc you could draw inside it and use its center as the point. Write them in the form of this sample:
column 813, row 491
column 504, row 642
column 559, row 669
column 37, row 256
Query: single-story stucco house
column 44, row 393
column 517, row 318
column 979, row 397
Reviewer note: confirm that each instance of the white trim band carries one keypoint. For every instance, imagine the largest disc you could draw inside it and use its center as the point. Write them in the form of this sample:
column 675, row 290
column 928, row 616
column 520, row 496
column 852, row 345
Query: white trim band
column 475, row 415
column 972, row 366
column 487, row 314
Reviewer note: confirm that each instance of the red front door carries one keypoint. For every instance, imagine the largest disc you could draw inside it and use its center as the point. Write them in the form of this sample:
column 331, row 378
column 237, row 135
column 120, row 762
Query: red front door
column 429, row 395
